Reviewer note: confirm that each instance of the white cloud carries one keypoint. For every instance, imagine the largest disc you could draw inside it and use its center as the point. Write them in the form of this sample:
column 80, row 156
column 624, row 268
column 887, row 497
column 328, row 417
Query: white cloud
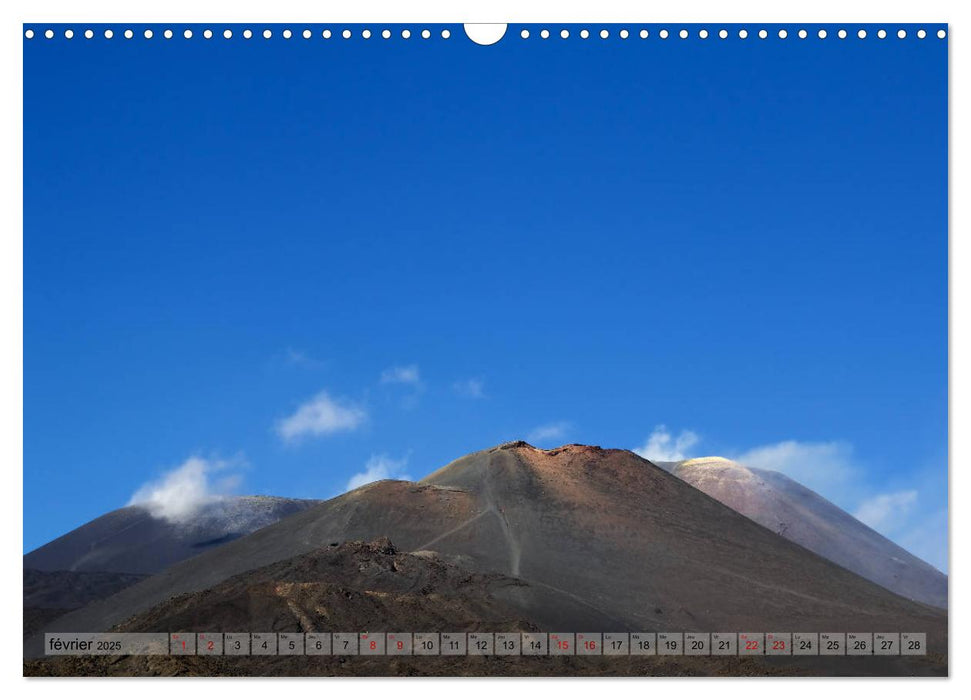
column 548, row 432
column 924, row 534
column 179, row 493
column 321, row 415
column 401, row 375
column 913, row 519
column 820, row 466
column 379, row 467
column 885, row 508
column 470, row 388
column 662, row 446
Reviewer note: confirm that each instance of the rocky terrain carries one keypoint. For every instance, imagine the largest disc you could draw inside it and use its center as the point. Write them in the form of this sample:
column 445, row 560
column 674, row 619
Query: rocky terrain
column 50, row 594
column 373, row 587
column 514, row 537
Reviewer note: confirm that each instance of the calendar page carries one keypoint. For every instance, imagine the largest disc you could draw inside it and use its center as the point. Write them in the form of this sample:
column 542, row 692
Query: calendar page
column 441, row 349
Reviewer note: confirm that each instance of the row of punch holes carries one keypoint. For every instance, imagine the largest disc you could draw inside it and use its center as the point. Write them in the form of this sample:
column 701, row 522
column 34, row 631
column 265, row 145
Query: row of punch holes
column 446, row 34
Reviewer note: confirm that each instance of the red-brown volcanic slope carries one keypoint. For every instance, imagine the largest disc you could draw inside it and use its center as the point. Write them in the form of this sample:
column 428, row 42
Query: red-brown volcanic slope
column 653, row 552
column 603, row 539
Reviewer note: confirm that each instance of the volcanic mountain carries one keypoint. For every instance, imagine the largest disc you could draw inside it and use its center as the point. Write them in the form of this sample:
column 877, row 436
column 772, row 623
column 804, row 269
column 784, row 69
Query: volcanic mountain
column 595, row 539
column 126, row 545
column 132, row 540
column 803, row 516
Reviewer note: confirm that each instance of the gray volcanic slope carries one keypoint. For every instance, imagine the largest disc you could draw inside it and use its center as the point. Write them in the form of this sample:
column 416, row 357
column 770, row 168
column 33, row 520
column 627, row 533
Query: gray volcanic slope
column 601, row 539
column 131, row 541
column 803, row 516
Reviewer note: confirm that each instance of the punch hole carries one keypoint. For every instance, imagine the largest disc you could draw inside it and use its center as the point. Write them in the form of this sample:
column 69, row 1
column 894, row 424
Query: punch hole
column 488, row 34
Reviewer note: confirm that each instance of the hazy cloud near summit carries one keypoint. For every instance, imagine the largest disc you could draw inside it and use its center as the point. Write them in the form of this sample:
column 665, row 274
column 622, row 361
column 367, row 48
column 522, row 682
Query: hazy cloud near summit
column 913, row 518
column 379, row 467
column 321, row 415
column 878, row 511
column 819, row 466
column 181, row 492
column 662, row 446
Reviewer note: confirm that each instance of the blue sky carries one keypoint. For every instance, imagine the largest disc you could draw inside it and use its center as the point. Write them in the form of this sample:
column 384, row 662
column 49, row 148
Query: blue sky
column 300, row 261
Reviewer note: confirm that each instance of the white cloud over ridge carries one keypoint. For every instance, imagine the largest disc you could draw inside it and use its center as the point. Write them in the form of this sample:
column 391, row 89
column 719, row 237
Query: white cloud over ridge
column 662, row 446
column 820, row 466
column 550, row 431
column 321, row 415
column 401, row 375
column 379, row 467
column 181, row 492
column 884, row 509
column 913, row 518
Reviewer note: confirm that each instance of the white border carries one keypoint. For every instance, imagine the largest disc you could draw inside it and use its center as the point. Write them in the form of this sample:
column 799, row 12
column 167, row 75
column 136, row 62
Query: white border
column 708, row 11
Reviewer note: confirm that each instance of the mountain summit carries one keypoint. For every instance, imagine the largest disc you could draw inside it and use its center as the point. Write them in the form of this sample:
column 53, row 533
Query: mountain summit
column 585, row 538
column 803, row 516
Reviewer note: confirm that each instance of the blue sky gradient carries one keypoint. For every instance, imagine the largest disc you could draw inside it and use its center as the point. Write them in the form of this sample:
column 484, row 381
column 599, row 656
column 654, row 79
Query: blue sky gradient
column 463, row 245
